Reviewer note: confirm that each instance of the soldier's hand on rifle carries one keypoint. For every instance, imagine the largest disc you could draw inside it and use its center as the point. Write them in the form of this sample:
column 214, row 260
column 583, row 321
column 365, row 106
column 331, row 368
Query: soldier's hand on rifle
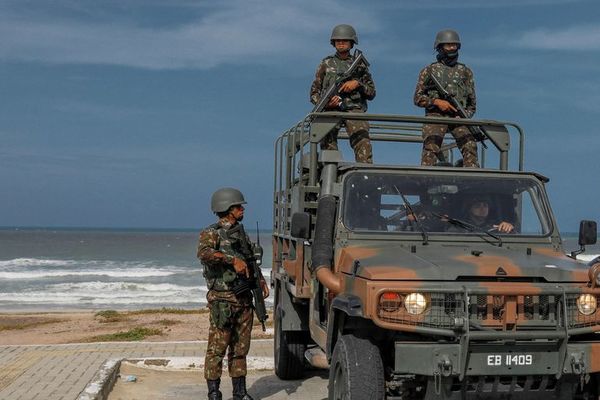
column 334, row 102
column 241, row 267
column 349, row 86
column 265, row 288
column 443, row 105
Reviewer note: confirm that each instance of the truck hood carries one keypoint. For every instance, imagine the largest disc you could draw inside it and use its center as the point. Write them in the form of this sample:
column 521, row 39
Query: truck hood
column 449, row 262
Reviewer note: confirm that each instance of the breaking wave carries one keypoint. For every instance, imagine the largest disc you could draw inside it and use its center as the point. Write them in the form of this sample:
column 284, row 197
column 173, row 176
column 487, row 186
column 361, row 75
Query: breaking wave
column 123, row 293
column 35, row 268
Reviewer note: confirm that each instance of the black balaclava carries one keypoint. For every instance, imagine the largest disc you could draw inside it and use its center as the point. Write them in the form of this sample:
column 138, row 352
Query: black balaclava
column 447, row 58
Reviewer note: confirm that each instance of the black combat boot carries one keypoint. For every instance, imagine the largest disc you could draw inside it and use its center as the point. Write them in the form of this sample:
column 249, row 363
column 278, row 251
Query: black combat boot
column 213, row 389
column 239, row 389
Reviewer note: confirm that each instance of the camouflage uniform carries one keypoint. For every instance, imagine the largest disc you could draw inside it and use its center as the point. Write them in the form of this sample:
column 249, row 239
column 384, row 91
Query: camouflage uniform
column 231, row 316
column 356, row 101
column 458, row 80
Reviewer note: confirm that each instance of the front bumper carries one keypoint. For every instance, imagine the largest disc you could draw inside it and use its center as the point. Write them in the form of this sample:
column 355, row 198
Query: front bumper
column 526, row 358
column 520, row 371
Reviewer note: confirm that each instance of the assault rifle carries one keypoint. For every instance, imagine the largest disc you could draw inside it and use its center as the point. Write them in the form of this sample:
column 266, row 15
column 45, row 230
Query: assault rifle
column 253, row 257
column 334, row 89
column 478, row 132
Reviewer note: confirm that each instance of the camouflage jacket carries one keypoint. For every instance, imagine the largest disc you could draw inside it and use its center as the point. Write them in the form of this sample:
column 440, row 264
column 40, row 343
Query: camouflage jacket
column 216, row 251
column 458, row 80
column 326, row 75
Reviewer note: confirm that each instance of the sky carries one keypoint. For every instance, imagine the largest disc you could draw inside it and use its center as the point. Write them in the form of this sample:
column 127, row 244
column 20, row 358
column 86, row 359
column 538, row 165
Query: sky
column 130, row 113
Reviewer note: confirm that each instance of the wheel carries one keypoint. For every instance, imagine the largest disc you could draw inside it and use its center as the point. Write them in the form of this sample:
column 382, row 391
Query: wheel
column 591, row 390
column 289, row 347
column 356, row 371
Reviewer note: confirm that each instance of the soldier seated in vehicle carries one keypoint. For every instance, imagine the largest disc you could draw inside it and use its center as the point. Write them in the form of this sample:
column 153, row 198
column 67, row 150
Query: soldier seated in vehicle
column 429, row 211
column 366, row 213
column 480, row 214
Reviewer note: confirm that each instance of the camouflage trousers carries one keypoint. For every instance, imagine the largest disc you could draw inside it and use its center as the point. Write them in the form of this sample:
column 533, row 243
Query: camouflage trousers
column 358, row 133
column 233, row 337
column 433, row 137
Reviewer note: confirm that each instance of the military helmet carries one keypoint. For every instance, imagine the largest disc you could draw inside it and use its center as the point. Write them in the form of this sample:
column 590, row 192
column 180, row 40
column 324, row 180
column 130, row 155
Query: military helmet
column 446, row 36
column 224, row 198
column 344, row 32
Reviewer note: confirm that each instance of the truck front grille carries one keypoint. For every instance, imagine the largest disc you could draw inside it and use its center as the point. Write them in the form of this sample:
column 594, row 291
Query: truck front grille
column 494, row 311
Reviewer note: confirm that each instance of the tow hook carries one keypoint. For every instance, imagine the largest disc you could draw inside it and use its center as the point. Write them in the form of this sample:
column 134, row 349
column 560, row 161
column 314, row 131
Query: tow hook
column 444, row 370
column 578, row 367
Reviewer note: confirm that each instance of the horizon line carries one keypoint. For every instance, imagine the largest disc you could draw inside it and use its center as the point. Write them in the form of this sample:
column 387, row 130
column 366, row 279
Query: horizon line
column 103, row 228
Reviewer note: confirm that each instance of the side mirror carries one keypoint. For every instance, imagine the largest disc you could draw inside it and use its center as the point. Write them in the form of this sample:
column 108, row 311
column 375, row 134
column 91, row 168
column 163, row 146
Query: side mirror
column 588, row 232
column 301, row 225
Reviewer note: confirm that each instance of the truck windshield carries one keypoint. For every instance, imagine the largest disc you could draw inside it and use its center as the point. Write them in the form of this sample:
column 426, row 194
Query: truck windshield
column 445, row 203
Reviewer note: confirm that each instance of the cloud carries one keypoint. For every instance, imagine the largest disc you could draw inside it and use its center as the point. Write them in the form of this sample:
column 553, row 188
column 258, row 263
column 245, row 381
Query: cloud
column 575, row 38
column 230, row 32
column 43, row 163
column 474, row 4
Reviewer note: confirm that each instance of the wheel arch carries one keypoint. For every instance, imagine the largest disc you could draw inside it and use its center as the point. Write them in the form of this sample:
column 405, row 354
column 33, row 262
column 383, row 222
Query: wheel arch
column 346, row 312
column 294, row 315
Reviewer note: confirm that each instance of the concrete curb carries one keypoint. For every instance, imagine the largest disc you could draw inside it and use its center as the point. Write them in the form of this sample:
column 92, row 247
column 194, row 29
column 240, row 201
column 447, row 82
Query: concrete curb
column 195, row 363
column 104, row 380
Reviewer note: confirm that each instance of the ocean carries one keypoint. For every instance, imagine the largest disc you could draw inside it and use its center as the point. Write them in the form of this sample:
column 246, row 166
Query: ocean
column 67, row 269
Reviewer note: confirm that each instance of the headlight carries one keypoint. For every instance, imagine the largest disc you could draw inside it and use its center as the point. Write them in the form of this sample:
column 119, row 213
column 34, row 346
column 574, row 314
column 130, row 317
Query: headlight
column 390, row 301
column 586, row 303
column 415, row 303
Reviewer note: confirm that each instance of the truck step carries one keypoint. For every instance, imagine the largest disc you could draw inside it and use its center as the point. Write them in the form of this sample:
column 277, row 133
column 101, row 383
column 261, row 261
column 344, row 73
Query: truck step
column 316, row 357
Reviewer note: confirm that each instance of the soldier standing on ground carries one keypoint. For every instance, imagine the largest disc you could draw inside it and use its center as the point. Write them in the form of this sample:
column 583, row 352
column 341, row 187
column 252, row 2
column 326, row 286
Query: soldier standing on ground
column 353, row 94
column 231, row 315
column 458, row 80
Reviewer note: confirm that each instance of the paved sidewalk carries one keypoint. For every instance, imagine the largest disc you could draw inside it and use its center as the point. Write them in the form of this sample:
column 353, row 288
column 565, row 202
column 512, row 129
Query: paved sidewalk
column 188, row 385
column 61, row 372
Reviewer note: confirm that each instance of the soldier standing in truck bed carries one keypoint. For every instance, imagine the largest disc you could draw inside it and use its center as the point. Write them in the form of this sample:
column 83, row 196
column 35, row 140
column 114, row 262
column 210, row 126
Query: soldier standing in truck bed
column 231, row 315
column 353, row 94
column 458, row 80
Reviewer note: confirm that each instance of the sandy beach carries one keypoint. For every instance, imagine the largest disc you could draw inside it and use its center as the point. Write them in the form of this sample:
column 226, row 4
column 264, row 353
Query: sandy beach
column 106, row 325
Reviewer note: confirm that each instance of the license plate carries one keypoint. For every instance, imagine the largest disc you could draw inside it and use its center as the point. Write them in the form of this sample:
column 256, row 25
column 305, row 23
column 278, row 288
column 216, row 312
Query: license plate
column 528, row 359
column 509, row 360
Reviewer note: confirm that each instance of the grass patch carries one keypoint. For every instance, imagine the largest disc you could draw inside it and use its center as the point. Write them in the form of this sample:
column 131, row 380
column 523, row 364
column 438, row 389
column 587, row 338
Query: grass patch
column 19, row 324
column 268, row 323
column 166, row 310
column 167, row 322
column 110, row 316
column 132, row 335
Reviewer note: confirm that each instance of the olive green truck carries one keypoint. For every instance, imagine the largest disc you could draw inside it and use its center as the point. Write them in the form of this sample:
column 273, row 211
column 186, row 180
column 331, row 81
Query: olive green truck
column 381, row 275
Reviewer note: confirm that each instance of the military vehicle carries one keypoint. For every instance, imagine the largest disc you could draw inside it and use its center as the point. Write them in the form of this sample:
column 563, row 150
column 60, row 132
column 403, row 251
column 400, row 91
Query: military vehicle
column 380, row 273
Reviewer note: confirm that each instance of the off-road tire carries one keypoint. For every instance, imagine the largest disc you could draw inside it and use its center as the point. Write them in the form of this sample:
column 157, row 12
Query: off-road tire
column 289, row 348
column 591, row 390
column 356, row 371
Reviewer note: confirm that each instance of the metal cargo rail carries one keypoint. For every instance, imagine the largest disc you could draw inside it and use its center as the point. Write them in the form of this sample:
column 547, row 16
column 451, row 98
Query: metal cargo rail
column 297, row 152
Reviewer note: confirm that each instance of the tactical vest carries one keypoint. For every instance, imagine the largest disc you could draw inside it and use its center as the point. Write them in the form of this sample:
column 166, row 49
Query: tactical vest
column 222, row 277
column 336, row 67
column 454, row 79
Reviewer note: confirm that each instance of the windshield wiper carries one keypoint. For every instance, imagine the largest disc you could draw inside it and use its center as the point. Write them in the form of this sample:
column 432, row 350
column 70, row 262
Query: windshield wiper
column 467, row 226
column 417, row 222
